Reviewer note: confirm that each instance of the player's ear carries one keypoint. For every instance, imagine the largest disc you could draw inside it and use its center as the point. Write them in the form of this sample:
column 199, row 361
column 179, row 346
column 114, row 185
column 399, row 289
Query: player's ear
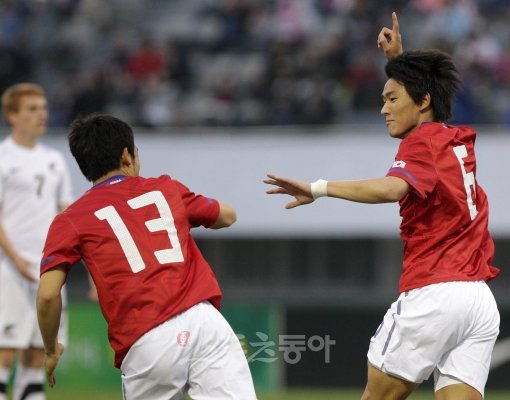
column 126, row 159
column 426, row 102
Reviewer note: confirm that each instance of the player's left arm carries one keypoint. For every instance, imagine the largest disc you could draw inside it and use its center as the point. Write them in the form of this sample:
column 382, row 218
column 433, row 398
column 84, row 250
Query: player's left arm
column 208, row 212
column 49, row 308
column 226, row 216
column 388, row 189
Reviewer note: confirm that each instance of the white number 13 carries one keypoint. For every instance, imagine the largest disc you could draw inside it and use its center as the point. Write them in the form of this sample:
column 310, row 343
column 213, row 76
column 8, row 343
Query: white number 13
column 469, row 180
column 164, row 223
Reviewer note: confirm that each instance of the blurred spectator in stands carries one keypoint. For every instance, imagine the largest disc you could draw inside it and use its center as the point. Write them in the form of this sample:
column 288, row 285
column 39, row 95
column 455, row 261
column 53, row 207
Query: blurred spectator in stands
column 295, row 20
column 177, row 64
column 242, row 62
column 146, row 61
column 15, row 64
column 91, row 95
column 158, row 100
column 232, row 16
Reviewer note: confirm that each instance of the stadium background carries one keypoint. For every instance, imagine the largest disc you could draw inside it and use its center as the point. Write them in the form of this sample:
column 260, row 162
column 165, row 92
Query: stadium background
column 224, row 91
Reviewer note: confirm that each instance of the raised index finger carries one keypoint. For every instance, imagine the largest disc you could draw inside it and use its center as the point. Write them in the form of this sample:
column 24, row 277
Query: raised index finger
column 396, row 27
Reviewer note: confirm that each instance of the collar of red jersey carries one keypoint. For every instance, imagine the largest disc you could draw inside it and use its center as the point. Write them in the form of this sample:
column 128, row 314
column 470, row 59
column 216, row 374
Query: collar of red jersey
column 111, row 180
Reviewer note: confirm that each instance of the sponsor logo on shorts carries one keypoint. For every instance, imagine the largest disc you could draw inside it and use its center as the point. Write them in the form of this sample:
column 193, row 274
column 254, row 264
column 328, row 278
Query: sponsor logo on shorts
column 183, row 338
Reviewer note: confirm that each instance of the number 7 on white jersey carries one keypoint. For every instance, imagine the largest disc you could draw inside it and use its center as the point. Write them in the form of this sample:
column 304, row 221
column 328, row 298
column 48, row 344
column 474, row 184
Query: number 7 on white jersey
column 164, row 223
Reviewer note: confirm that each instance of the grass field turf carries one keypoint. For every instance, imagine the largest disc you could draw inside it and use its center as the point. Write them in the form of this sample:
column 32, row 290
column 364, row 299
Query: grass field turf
column 354, row 394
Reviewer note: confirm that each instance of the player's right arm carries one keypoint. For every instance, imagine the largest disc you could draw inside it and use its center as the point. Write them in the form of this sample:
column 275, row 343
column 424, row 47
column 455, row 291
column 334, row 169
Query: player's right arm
column 226, row 217
column 22, row 265
column 372, row 191
column 390, row 39
column 388, row 189
column 49, row 308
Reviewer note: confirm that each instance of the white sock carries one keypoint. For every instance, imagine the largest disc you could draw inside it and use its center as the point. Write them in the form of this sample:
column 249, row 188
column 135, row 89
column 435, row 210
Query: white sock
column 29, row 384
column 4, row 379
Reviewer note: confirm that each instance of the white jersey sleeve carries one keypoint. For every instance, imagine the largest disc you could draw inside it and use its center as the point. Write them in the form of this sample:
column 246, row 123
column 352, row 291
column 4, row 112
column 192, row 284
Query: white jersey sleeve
column 65, row 190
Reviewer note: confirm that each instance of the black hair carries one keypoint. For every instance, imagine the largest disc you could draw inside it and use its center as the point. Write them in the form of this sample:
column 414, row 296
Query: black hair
column 427, row 71
column 97, row 142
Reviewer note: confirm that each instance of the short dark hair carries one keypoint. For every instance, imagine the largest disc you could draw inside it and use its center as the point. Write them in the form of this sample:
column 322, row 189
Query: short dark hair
column 97, row 142
column 427, row 71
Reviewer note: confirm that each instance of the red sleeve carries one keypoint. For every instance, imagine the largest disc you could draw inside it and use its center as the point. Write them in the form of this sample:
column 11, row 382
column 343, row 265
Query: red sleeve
column 62, row 245
column 201, row 210
column 414, row 163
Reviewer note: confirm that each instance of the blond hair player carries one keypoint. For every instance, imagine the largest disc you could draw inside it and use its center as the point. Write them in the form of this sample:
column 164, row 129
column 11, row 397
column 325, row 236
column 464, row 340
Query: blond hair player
column 35, row 185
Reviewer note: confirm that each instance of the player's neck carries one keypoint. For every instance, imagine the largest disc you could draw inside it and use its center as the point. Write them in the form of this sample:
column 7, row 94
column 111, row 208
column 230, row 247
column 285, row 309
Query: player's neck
column 24, row 140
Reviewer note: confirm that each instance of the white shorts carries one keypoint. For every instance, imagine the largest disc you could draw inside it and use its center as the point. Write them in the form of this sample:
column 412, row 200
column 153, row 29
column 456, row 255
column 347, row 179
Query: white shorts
column 195, row 352
column 447, row 328
column 19, row 328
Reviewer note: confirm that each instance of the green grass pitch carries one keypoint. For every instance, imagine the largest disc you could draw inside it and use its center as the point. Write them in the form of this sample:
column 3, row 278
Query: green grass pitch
column 354, row 394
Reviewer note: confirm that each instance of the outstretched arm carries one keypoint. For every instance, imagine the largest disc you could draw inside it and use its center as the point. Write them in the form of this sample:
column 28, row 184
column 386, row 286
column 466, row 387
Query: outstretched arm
column 390, row 39
column 49, row 308
column 388, row 189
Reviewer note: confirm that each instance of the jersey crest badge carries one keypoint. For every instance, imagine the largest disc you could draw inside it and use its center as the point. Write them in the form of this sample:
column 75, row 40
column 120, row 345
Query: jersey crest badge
column 399, row 164
column 183, row 338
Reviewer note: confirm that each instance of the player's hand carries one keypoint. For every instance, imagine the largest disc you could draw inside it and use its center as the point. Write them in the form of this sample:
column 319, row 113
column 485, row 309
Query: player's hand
column 23, row 267
column 301, row 191
column 50, row 363
column 390, row 39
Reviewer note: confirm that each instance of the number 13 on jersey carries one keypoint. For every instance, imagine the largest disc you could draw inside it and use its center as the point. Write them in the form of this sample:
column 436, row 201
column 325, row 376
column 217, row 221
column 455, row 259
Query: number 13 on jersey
column 164, row 223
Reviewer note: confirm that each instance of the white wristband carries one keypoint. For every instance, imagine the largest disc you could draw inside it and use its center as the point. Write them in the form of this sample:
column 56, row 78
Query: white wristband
column 319, row 188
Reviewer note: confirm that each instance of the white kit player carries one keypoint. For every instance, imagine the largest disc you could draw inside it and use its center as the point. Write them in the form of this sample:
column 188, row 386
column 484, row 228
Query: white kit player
column 35, row 185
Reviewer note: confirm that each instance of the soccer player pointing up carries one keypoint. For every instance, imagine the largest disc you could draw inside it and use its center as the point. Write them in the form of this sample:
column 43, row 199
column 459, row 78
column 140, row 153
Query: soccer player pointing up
column 445, row 320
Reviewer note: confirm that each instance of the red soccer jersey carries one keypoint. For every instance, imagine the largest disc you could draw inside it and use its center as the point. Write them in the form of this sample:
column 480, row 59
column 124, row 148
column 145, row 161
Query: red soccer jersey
column 445, row 215
column 134, row 236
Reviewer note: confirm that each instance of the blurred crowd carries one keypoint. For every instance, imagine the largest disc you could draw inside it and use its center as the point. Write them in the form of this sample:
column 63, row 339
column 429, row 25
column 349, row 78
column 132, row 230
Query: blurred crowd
column 161, row 63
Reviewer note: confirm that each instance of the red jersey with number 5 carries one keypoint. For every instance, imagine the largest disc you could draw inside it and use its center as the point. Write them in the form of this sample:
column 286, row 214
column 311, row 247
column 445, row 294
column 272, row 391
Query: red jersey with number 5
column 445, row 215
column 133, row 234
